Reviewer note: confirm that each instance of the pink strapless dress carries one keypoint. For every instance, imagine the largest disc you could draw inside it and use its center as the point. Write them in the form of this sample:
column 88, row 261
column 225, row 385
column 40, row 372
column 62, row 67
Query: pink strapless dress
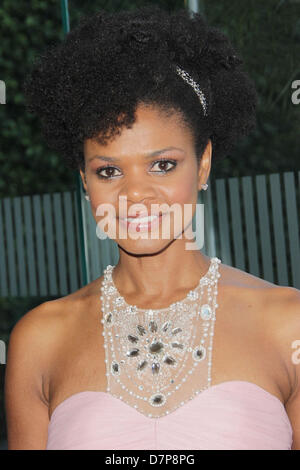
column 235, row 415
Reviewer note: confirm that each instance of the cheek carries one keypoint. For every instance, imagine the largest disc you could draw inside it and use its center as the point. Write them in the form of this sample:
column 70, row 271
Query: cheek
column 100, row 193
column 185, row 190
column 101, row 198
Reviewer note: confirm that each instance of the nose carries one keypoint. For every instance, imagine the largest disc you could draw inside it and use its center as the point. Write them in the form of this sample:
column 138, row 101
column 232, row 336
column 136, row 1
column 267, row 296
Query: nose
column 137, row 189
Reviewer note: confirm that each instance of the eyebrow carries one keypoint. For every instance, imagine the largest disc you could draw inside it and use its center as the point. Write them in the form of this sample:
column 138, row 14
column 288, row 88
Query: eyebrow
column 149, row 155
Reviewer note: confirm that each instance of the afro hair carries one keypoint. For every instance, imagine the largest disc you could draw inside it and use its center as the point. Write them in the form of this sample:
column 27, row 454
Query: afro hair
column 89, row 85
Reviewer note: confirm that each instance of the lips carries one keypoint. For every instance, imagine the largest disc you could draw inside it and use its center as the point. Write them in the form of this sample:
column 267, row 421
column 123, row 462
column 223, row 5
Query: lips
column 142, row 223
column 142, row 217
column 141, row 220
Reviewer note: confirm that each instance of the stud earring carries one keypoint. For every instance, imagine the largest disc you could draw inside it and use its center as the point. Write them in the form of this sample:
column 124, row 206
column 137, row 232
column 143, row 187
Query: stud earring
column 204, row 186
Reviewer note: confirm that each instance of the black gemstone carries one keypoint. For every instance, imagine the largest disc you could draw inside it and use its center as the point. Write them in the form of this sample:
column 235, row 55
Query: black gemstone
column 169, row 360
column 152, row 326
column 156, row 347
column 155, row 367
column 141, row 330
column 177, row 345
column 133, row 339
column 133, row 352
column 142, row 365
column 157, row 399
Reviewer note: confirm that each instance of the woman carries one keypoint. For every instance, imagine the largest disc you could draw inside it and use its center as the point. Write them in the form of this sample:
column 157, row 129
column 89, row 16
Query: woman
column 190, row 353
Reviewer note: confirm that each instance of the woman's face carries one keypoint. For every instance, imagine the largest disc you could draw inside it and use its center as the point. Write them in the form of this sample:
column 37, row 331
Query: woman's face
column 131, row 180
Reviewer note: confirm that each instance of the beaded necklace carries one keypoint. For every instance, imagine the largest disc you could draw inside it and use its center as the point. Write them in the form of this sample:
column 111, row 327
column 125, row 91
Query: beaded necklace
column 151, row 354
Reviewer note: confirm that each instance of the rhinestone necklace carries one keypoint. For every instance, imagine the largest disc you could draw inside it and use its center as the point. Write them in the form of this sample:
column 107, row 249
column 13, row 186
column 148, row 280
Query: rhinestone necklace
column 151, row 354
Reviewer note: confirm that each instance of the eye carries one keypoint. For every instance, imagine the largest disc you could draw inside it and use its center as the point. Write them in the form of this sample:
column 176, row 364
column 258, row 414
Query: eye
column 110, row 172
column 164, row 165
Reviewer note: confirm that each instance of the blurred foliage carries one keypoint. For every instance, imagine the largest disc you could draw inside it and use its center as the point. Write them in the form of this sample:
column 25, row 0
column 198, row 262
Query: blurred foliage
column 266, row 33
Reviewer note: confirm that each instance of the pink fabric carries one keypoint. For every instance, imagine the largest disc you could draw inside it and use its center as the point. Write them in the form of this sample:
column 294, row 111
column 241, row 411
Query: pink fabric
column 229, row 415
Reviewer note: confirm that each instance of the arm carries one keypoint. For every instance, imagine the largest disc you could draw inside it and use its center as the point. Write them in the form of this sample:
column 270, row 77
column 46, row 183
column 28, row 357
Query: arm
column 25, row 404
column 289, row 332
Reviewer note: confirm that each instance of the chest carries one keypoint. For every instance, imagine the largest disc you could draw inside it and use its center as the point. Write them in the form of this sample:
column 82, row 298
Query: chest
column 241, row 350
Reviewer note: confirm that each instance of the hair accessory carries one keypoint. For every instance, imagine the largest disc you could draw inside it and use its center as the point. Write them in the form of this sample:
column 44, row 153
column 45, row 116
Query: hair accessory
column 204, row 186
column 186, row 76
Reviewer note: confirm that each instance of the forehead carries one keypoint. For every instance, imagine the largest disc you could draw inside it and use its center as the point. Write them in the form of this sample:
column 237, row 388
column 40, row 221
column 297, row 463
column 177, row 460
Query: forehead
column 154, row 128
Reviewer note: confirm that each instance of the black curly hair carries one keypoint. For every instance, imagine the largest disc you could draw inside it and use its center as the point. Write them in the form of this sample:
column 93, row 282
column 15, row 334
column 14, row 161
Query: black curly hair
column 90, row 84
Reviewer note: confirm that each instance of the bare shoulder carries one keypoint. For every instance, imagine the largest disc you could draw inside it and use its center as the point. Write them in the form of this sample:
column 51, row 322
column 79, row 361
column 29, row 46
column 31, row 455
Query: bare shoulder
column 247, row 283
column 278, row 304
column 44, row 326
column 276, row 309
column 30, row 345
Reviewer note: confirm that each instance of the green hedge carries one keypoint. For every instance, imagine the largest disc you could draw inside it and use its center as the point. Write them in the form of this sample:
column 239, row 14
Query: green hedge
column 267, row 34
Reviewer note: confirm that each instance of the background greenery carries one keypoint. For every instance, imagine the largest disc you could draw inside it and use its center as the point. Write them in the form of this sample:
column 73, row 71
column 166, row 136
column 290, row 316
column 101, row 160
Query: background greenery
column 267, row 34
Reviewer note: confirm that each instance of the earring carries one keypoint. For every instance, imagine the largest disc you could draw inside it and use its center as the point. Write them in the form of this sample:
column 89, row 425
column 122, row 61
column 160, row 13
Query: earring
column 204, row 186
column 87, row 197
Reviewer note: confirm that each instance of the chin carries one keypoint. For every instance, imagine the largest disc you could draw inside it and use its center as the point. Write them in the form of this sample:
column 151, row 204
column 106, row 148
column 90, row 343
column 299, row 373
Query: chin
column 144, row 247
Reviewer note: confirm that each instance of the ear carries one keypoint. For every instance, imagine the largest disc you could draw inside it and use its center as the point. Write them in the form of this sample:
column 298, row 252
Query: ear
column 83, row 179
column 205, row 165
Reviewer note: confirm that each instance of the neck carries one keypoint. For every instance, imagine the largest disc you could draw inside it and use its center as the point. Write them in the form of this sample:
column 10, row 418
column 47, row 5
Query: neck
column 160, row 275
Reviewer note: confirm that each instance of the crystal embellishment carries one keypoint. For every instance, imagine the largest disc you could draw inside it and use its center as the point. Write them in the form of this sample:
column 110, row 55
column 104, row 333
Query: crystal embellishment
column 176, row 330
column 115, row 368
column 142, row 365
column 158, row 399
column 131, row 309
column 133, row 339
column 206, row 312
column 152, row 326
column 133, row 353
column 165, row 326
column 156, row 347
column 177, row 345
column 152, row 355
column 155, row 367
column 169, row 360
column 119, row 301
column 199, row 353
column 192, row 295
column 141, row 330
column 108, row 318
